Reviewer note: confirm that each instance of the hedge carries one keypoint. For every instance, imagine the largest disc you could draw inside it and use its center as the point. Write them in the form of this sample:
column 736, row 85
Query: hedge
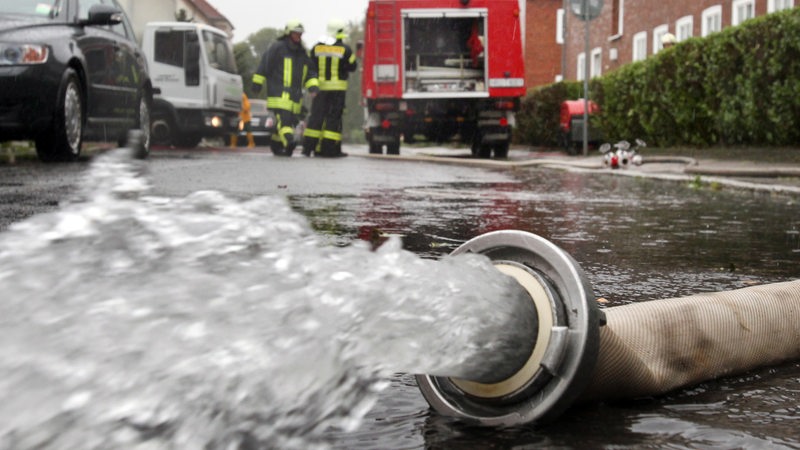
column 740, row 86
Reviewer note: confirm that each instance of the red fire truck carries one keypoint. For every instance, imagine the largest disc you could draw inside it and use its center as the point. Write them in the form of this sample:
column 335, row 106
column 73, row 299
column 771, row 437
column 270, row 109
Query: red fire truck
column 441, row 68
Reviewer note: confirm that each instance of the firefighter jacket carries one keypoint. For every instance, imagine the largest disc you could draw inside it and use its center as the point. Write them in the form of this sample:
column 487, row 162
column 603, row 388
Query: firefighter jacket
column 334, row 62
column 285, row 69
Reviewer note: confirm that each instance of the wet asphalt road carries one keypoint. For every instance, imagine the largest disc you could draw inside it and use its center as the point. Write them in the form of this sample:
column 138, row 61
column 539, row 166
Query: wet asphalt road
column 29, row 187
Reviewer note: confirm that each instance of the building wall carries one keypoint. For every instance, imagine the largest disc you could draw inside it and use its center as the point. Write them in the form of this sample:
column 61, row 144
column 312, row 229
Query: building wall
column 616, row 44
column 143, row 11
column 542, row 52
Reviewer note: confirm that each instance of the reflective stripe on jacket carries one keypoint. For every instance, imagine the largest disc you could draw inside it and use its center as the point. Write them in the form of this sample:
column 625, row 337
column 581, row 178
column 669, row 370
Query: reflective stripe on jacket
column 285, row 69
column 334, row 64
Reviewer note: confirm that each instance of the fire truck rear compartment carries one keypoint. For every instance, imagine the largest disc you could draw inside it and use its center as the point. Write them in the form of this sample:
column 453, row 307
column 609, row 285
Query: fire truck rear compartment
column 444, row 55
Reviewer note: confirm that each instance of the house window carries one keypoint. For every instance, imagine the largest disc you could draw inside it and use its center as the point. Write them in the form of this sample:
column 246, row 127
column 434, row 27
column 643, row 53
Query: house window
column 597, row 63
column 743, row 10
column 712, row 20
column 618, row 12
column 779, row 5
column 581, row 66
column 684, row 28
column 658, row 32
column 560, row 26
column 640, row 46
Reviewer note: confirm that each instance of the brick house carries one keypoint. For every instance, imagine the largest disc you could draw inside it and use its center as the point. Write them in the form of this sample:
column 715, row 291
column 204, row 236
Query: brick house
column 625, row 31
column 143, row 11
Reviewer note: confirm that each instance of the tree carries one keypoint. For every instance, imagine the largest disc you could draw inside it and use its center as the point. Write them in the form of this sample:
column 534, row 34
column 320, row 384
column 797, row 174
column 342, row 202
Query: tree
column 248, row 53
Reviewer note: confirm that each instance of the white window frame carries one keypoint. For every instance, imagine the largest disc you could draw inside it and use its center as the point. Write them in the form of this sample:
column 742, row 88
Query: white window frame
column 779, row 5
column 639, row 52
column 596, row 63
column 581, row 66
column 712, row 12
column 684, row 28
column 560, row 26
column 620, row 21
column 659, row 32
column 736, row 16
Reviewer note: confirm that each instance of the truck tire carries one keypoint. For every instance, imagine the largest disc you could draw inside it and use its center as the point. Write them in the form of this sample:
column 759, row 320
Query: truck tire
column 479, row 149
column 501, row 150
column 394, row 147
column 64, row 140
column 161, row 129
column 375, row 149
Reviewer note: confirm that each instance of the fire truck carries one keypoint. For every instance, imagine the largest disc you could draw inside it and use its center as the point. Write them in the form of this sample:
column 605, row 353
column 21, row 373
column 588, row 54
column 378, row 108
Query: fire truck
column 437, row 69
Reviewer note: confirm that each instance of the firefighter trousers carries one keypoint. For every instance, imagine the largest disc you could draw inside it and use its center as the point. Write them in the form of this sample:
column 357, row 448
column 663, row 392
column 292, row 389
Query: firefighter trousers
column 323, row 134
column 283, row 142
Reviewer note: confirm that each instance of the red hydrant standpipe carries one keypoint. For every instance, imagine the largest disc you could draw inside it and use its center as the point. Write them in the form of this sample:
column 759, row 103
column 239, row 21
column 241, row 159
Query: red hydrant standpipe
column 581, row 353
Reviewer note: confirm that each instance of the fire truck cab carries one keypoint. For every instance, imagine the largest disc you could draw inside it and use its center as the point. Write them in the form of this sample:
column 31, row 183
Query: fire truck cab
column 435, row 69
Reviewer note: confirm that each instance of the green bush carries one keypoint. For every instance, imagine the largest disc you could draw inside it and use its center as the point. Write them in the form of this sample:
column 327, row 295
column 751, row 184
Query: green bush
column 539, row 115
column 740, row 86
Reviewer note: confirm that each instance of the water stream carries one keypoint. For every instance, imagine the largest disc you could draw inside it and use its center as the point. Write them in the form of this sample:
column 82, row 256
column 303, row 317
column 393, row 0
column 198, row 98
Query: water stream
column 130, row 320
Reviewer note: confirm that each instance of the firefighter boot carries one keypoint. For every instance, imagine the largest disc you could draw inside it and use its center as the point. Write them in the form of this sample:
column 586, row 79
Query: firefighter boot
column 251, row 142
column 234, row 140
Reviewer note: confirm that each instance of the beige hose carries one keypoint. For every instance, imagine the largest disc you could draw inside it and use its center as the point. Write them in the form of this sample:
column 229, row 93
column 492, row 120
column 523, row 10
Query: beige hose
column 654, row 347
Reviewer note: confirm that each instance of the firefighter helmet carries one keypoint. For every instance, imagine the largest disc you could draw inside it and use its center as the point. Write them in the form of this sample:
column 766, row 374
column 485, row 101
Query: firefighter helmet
column 293, row 26
column 336, row 27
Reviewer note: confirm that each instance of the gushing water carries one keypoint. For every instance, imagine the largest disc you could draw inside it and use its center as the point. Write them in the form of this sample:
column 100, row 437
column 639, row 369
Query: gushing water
column 132, row 321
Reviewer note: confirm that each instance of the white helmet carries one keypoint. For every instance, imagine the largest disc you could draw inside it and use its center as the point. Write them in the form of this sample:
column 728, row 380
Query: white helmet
column 336, row 27
column 293, row 26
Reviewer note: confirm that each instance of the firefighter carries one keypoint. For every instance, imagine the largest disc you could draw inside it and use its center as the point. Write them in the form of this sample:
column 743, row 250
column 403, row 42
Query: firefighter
column 244, row 124
column 335, row 60
column 286, row 70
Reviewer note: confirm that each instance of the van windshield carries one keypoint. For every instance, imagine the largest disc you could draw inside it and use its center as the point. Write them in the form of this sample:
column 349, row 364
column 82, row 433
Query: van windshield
column 219, row 51
column 41, row 8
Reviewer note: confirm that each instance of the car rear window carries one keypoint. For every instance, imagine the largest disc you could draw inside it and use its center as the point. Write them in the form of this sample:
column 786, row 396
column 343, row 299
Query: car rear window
column 29, row 7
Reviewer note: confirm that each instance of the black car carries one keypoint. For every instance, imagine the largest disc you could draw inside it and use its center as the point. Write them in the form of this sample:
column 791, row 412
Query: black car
column 262, row 124
column 70, row 70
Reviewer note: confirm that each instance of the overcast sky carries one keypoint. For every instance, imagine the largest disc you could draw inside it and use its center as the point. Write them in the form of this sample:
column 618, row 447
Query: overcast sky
column 249, row 16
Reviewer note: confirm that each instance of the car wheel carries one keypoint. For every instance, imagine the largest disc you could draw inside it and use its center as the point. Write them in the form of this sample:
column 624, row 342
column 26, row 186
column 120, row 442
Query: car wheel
column 144, row 126
column 64, row 141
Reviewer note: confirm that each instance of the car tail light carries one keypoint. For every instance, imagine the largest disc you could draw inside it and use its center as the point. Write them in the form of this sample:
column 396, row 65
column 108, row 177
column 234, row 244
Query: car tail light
column 386, row 124
column 24, row 54
column 503, row 121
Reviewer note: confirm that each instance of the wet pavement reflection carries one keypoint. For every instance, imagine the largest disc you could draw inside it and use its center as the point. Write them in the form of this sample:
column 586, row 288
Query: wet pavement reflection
column 638, row 240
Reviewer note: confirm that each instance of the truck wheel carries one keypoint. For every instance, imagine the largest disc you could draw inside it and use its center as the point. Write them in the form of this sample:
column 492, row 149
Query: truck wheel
column 375, row 149
column 161, row 129
column 479, row 149
column 394, row 147
column 501, row 150
column 63, row 142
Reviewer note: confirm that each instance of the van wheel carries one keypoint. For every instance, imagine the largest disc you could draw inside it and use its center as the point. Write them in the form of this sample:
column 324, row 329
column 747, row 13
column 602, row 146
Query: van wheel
column 63, row 142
